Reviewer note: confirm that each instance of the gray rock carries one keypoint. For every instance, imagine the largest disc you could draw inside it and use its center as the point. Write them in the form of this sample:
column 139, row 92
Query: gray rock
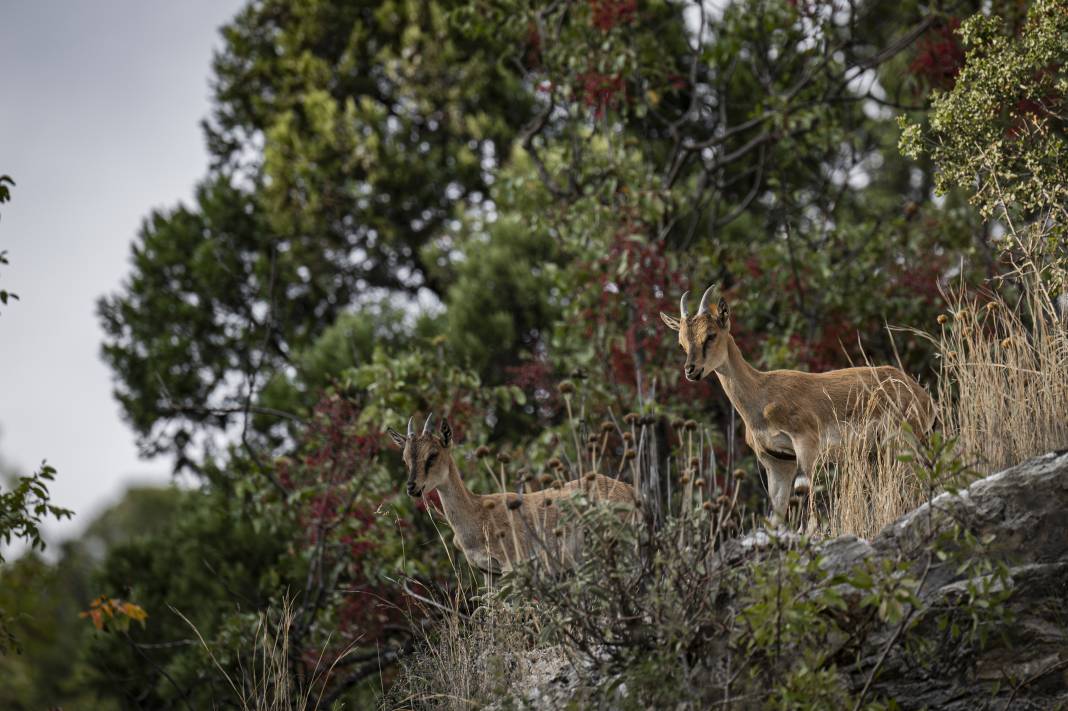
column 1024, row 665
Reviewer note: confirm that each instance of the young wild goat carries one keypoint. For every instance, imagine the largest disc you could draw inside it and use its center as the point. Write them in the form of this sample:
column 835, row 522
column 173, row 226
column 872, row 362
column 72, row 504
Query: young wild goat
column 495, row 531
column 792, row 417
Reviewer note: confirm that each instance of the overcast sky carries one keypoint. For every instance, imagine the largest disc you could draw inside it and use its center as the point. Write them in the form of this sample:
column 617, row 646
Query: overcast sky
column 100, row 103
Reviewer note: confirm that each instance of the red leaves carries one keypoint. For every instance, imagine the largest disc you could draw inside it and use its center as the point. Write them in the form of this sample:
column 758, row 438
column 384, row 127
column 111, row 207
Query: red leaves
column 939, row 55
column 602, row 92
column 607, row 14
column 637, row 281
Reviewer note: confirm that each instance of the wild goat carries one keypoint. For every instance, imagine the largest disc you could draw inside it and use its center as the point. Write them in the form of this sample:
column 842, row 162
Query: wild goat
column 495, row 531
column 792, row 417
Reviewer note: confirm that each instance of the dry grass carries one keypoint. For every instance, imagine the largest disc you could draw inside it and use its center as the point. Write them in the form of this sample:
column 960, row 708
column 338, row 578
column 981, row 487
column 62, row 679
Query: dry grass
column 466, row 662
column 1005, row 372
column 263, row 679
column 1001, row 393
column 870, row 487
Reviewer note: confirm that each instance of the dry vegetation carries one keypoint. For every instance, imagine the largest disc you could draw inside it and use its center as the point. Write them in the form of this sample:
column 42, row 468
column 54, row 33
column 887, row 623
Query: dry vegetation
column 1001, row 394
column 1005, row 371
column 262, row 682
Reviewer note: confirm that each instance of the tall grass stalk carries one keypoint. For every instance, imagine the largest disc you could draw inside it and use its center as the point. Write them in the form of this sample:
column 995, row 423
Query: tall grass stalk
column 1003, row 382
column 263, row 680
column 1001, row 394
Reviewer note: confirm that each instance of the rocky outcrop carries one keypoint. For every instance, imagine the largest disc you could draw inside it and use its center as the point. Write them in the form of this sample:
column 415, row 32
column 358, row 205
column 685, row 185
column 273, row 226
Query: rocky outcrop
column 1022, row 516
column 1023, row 512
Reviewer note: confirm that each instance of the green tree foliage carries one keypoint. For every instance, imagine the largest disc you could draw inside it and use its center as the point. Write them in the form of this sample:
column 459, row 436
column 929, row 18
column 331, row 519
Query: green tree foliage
column 26, row 506
column 1000, row 132
column 344, row 136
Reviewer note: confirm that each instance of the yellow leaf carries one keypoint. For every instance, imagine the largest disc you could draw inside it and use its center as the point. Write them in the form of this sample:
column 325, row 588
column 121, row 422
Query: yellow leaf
column 134, row 612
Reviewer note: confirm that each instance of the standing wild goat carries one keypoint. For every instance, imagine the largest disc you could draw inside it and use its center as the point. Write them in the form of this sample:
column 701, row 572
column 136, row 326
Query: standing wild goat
column 791, row 417
column 495, row 531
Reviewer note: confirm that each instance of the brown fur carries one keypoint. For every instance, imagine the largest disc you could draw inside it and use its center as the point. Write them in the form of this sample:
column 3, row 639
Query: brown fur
column 497, row 530
column 790, row 412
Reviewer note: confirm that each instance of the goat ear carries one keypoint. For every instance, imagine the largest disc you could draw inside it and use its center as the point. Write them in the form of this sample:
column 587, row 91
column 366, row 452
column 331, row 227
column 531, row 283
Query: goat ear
column 671, row 321
column 446, row 433
column 398, row 439
column 724, row 313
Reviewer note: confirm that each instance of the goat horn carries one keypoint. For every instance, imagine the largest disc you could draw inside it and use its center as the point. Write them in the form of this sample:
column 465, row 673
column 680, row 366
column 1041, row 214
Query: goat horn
column 703, row 308
column 682, row 305
column 426, row 425
column 411, row 428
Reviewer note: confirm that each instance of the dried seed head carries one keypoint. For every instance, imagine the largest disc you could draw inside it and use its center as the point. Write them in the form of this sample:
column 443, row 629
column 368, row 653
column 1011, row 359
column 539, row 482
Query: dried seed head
column 503, row 458
column 691, row 425
column 629, row 454
column 739, row 474
column 566, row 388
column 546, row 479
column 694, row 461
column 1006, row 342
column 628, row 438
column 707, row 506
column 488, row 504
column 482, row 452
column 961, row 315
column 515, row 503
column 591, row 476
column 557, row 484
column 677, row 424
column 723, row 500
column 607, row 426
column 546, row 502
column 630, row 418
column 802, row 487
column 942, row 318
column 685, row 479
column 991, row 306
column 647, row 421
column 555, row 463
column 558, row 532
column 700, row 483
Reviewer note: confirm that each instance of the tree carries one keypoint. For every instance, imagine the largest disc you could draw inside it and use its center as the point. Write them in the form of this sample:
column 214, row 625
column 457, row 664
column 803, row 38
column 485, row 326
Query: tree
column 344, row 136
column 999, row 134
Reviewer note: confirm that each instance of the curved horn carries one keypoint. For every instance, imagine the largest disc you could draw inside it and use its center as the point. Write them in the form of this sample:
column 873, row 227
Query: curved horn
column 426, row 425
column 682, row 305
column 411, row 428
column 703, row 308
